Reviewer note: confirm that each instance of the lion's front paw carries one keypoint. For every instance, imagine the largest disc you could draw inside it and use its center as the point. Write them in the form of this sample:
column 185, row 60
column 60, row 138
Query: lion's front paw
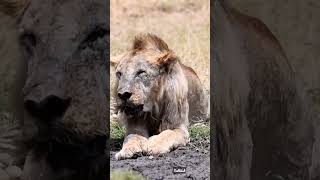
column 129, row 151
column 156, row 146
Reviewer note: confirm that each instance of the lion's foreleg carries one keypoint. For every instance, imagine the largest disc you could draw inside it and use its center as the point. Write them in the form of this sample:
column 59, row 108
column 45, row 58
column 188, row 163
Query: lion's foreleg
column 132, row 145
column 166, row 141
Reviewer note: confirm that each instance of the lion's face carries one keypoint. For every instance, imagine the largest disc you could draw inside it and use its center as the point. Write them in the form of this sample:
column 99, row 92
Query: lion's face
column 138, row 79
column 142, row 72
column 66, row 54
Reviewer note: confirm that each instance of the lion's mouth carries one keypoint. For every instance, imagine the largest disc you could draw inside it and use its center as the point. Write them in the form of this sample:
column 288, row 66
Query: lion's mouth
column 131, row 109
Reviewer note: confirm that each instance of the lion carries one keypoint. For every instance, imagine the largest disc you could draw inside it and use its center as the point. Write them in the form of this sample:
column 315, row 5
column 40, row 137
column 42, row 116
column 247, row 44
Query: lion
column 263, row 123
column 64, row 123
column 157, row 97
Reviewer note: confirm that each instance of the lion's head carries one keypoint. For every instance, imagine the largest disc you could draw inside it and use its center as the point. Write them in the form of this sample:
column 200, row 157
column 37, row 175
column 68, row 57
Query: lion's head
column 144, row 72
column 63, row 44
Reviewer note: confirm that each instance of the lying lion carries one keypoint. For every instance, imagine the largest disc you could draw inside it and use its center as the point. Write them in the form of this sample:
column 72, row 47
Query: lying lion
column 157, row 97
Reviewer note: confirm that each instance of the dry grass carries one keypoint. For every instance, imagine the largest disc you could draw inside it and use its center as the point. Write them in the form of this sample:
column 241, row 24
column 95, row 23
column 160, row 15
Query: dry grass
column 183, row 24
column 125, row 175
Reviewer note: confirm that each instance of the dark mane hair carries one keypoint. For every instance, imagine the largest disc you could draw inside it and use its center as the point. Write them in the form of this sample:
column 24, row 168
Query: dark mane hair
column 13, row 7
column 149, row 41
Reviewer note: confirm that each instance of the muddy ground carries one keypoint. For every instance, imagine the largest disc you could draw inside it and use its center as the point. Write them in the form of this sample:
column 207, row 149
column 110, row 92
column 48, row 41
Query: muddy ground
column 195, row 157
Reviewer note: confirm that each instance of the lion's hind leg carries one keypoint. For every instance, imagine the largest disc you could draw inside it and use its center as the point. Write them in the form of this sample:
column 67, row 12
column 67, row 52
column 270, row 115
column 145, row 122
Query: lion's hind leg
column 166, row 141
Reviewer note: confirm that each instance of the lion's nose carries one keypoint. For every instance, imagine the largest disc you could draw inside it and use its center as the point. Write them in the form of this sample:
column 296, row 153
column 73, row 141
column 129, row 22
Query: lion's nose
column 52, row 106
column 125, row 95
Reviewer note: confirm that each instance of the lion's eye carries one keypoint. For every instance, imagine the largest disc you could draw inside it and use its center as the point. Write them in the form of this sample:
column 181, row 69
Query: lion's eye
column 118, row 74
column 141, row 73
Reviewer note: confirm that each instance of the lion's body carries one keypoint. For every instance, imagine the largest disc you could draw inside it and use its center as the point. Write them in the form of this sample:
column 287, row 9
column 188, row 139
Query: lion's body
column 169, row 95
column 198, row 100
column 198, row 107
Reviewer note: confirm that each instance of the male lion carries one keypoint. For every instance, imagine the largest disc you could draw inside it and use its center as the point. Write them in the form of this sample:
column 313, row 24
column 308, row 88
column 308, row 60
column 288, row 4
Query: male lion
column 156, row 96
column 63, row 44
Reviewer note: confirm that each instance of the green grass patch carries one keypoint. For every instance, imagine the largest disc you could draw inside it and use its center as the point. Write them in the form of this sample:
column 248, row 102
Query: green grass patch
column 199, row 131
column 117, row 131
column 125, row 175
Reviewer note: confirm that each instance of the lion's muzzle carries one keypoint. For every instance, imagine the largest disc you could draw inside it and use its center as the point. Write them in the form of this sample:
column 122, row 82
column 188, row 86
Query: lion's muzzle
column 50, row 107
column 124, row 95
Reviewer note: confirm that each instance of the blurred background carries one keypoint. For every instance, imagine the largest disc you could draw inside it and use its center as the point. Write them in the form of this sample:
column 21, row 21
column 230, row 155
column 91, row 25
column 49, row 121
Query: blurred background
column 296, row 25
column 9, row 74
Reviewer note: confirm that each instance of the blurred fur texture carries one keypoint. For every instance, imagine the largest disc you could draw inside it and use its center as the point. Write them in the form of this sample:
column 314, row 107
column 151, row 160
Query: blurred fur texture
column 262, row 117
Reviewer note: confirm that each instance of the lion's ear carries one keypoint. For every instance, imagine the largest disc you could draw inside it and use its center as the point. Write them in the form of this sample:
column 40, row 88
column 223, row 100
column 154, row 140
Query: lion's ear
column 167, row 59
column 114, row 61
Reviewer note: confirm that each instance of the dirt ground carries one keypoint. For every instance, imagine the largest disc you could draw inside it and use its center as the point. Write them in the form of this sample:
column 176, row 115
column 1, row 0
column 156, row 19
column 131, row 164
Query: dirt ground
column 195, row 157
